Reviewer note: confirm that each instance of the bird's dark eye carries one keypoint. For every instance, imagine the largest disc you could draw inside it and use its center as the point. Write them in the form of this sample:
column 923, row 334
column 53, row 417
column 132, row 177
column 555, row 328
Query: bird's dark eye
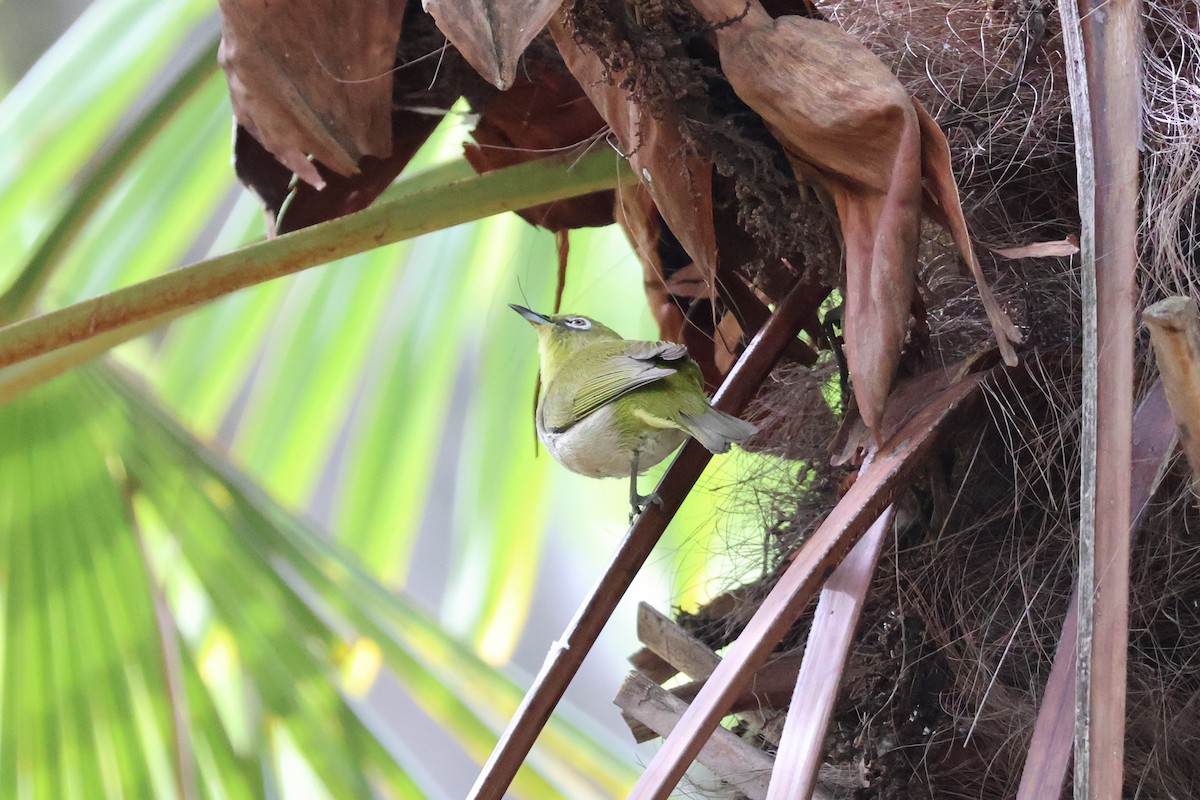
column 581, row 323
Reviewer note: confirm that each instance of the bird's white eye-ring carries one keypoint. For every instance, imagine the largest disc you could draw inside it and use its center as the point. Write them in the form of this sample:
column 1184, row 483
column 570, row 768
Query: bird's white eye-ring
column 582, row 323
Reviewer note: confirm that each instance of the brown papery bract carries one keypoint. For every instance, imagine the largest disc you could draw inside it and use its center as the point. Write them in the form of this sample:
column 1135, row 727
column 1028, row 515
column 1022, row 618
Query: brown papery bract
column 678, row 180
column 636, row 213
column 311, row 78
column 422, row 89
column 492, row 34
column 544, row 112
column 941, row 200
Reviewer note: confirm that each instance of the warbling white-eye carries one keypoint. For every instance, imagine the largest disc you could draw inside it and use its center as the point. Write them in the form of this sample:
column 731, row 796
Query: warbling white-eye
column 612, row 407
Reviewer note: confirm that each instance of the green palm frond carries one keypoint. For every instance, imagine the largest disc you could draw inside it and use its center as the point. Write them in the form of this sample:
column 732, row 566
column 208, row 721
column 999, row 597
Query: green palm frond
column 175, row 623
column 149, row 585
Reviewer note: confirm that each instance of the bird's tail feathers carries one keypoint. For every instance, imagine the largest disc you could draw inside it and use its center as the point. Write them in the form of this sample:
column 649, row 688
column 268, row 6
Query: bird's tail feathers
column 716, row 430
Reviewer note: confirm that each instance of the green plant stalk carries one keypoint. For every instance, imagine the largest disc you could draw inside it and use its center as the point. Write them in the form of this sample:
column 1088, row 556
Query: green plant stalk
column 21, row 296
column 91, row 327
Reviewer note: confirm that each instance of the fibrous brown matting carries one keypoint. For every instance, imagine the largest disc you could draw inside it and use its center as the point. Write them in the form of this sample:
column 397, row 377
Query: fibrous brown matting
column 965, row 613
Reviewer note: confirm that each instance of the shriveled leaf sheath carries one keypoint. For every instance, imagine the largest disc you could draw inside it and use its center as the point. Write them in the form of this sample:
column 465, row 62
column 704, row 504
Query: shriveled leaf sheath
column 846, row 123
column 942, row 202
column 492, row 34
column 311, row 78
column 679, row 182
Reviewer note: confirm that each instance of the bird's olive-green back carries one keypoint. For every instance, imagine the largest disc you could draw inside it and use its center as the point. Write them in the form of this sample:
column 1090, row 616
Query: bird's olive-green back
column 659, row 376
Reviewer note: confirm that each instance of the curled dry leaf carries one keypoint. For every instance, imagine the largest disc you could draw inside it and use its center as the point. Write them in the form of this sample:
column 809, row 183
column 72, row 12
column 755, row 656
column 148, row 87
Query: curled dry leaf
column 678, row 181
column 290, row 208
column 666, row 268
column 544, row 112
column 637, row 215
column 941, row 200
column 727, row 339
column 688, row 282
column 423, row 91
column 848, row 125
column 492, row 34
column 310, row 78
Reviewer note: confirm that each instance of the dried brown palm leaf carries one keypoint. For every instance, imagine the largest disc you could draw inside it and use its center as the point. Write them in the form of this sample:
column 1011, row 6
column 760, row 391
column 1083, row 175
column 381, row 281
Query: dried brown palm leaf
column 544, row 111
column 310, row 79
column 492, row 34
column 1068, row 246
column 941, row 200
column 678, row 180
column 637, row 214
column 672, row 282
column 418, row 104
column 848, row 125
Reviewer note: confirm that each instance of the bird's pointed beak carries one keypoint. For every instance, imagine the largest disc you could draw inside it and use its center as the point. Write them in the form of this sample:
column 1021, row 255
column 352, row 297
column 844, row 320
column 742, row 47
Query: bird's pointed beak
column 532, row 316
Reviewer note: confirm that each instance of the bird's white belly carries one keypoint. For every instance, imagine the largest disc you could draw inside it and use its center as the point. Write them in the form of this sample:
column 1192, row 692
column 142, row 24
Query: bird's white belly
column 593, row 447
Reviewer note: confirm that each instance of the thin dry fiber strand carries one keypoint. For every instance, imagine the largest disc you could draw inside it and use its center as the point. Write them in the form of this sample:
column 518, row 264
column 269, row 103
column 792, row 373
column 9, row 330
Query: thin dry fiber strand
column 958, row 639
column 992, row 75
column 1170, row 232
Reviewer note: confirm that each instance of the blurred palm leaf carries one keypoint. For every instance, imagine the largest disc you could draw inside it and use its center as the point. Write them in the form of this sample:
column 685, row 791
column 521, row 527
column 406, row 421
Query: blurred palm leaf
column 173, row 627
column 111, row 505
column 75, row 97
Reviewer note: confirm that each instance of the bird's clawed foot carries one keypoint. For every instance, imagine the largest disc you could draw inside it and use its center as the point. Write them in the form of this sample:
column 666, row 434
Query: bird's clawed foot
column 638, row 503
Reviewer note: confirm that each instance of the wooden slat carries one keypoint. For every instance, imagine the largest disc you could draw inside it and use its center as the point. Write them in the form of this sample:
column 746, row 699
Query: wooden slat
column 652, row 665
column 673, row 644
column 1045, row 771
column 737, row 762
column 1102, row 40
column 803, row 746
column 692, row 657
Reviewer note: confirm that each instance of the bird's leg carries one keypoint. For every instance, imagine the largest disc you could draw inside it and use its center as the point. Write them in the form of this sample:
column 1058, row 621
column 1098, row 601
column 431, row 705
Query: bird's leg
column 638, row 502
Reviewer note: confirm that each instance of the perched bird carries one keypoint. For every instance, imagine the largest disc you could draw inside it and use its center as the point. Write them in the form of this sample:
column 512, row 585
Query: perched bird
column 613, row 407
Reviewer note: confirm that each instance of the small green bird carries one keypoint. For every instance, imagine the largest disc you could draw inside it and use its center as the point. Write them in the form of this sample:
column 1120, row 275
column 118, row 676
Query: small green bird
column 613, row 407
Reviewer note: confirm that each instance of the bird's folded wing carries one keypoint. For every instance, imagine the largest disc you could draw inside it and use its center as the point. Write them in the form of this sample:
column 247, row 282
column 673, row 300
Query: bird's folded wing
column 662, row 351
column 633, row 365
